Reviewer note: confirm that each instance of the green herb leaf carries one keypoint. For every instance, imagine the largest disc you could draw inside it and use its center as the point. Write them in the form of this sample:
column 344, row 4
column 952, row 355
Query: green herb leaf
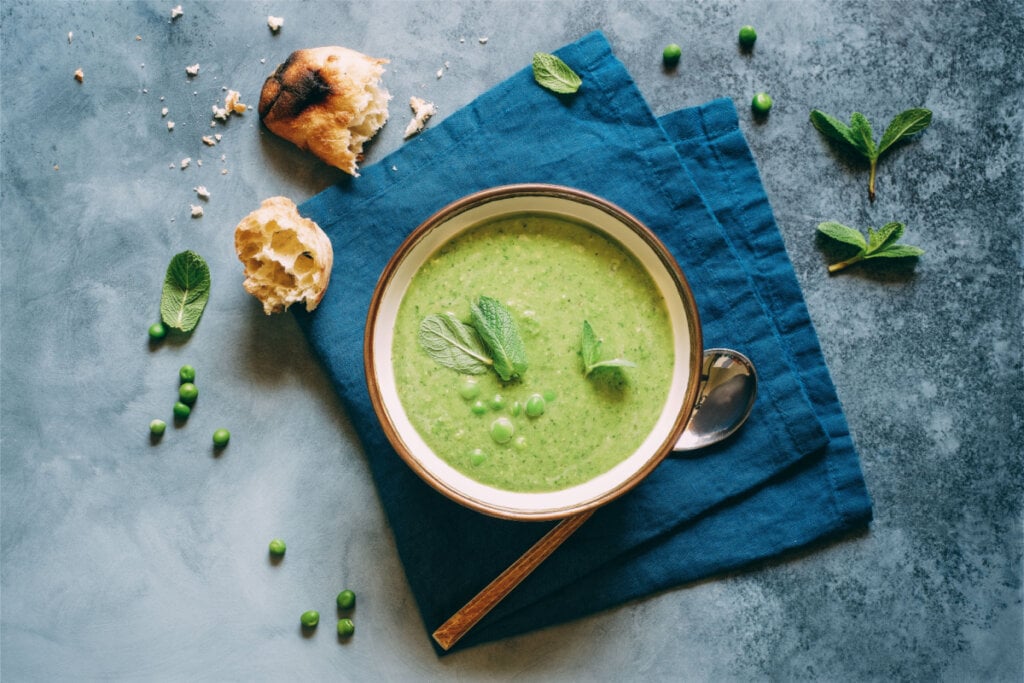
column 842, row 233
column 590, row 350
column 454, row 344
column 185, row 292
column 494, row 323
column 554, row 74
column 906, row 123
column 832, row 127
column 881, row 243
column 863, row 137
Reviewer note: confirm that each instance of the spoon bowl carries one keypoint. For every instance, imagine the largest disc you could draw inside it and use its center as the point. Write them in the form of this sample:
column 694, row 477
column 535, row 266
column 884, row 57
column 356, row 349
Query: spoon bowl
column 725, row 397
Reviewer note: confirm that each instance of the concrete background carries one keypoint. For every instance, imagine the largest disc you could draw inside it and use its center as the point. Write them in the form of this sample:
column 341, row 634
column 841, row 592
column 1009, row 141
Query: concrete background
column 124, row 559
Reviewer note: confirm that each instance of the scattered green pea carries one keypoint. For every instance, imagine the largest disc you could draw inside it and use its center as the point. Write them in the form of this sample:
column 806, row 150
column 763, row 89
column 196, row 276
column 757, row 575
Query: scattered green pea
column 516, row 408
column 469, row 389
column 497, row 402
column 221, row 438
column 671, row 54
column 187, row 373
column 188, row 393
column 535, row 406
column 346, row 628
column 477, row 457
column 762, row 103
column 181, row 411
column 157, row 427
column 346, row 599
column 310, row 619
column 479, row 408
column 502, row 430
column 549, row 395
column 747, row 35
column 519, row 443
column 157, row 331
column 277, row 547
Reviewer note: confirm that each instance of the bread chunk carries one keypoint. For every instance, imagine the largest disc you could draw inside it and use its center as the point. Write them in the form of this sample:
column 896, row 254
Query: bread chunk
column 328, row 100
column 287, row 258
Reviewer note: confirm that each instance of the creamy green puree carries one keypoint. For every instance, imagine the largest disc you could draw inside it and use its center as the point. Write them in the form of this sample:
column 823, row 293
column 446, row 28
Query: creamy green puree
column 552, row 274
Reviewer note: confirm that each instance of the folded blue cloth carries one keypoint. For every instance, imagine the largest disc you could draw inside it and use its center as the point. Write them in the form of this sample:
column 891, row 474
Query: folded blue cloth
column 789, row 477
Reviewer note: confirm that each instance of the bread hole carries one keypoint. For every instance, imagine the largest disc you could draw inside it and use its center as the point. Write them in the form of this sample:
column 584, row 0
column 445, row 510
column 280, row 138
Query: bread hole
column 285, row 242
column 304, row 263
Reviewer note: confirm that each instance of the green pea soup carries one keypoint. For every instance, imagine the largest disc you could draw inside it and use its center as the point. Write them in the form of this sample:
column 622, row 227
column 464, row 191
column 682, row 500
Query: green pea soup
column 555, row 426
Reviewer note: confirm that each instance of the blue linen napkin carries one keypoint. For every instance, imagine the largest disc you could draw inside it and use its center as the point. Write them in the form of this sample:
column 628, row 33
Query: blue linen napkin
column 789, row 477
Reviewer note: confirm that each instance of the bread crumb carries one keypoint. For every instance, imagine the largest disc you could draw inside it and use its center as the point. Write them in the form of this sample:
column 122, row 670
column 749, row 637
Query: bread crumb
column 176, row 12
column 202, row 192
column 79, row 75
column 440, row 72
column 164, row 111
column 483, row 40
column 197, row 211
column 170, row 125
column 275, row 23
column 70, row 36
column 232, row 104
column 223, row 171
column 56, row 167
column 199, row 162
column 185, row 162
column 138, row 37
column 217, row 137
column 422, row 110
column 192, row 71
column 207, row 140
column 220, row 113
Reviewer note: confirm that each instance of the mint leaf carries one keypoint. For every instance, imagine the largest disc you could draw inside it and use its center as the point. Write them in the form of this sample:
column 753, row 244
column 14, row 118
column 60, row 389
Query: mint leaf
column 906, row 123
column 881, row 243
column 859, row 136
column 590, row 351
column 494, row 323
column 554, row 74
column 185, row 292
column 454, row 344
column 842, row 233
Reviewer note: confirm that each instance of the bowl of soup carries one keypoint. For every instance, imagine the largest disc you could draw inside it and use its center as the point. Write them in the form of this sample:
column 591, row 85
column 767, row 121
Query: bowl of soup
column 532, row 351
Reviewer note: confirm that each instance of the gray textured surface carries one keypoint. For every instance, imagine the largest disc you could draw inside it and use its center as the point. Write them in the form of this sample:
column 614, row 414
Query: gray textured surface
column 127, row 560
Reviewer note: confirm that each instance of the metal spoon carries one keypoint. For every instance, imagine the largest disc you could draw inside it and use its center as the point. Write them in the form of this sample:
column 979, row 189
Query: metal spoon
column 725, row 397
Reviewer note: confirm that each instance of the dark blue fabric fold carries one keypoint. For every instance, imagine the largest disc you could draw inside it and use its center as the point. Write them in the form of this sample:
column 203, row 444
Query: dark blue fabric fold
column 789, row 477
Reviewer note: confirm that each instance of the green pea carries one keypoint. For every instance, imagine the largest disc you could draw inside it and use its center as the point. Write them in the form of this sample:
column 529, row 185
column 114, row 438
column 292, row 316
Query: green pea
column 469, row 389
column 502, row 430
column 519, row 443
column 346, row 628
column 277, row 547
column 157, row 427
column 535, row 406
column 762, row 103
column 516, row 408
column 549, row 396
column 188, row 393
column 671, row 54
column 747, row 36
column 187, row 373
column 181, row 411
column 157, row 331
column 221, row 438
column 479, row 408
column 346, row 599
column 497, row 402
column 477, row 457
column 310, row 618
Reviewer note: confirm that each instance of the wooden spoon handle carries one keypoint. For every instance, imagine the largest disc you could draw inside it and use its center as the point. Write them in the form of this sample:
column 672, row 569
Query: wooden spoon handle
column 483, row 602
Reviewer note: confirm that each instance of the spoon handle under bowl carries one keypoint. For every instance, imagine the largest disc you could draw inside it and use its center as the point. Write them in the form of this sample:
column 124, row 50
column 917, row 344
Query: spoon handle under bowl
column 483, row 602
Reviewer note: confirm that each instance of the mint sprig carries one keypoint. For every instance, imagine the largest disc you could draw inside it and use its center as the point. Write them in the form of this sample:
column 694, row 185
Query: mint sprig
column 859, row 136
column 494, row 323
column 590, row 351
column 554, row 74
column 880, row 243
column 185, row 292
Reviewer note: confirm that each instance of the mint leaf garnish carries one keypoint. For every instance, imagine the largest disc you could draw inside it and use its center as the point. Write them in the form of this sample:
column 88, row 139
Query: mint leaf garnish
column 454, row 344
column 859, row 137
column 590, row 350
column 554, row 74
column 185, row 292
column 880, row 243
column 494, row 323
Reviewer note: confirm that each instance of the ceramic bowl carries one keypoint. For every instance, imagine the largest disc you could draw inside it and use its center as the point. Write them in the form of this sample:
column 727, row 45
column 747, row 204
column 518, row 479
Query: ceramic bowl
column 599, row 215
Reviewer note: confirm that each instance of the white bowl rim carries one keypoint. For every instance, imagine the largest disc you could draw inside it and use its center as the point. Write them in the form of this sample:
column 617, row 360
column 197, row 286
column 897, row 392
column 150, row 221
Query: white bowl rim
column 496, row 502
